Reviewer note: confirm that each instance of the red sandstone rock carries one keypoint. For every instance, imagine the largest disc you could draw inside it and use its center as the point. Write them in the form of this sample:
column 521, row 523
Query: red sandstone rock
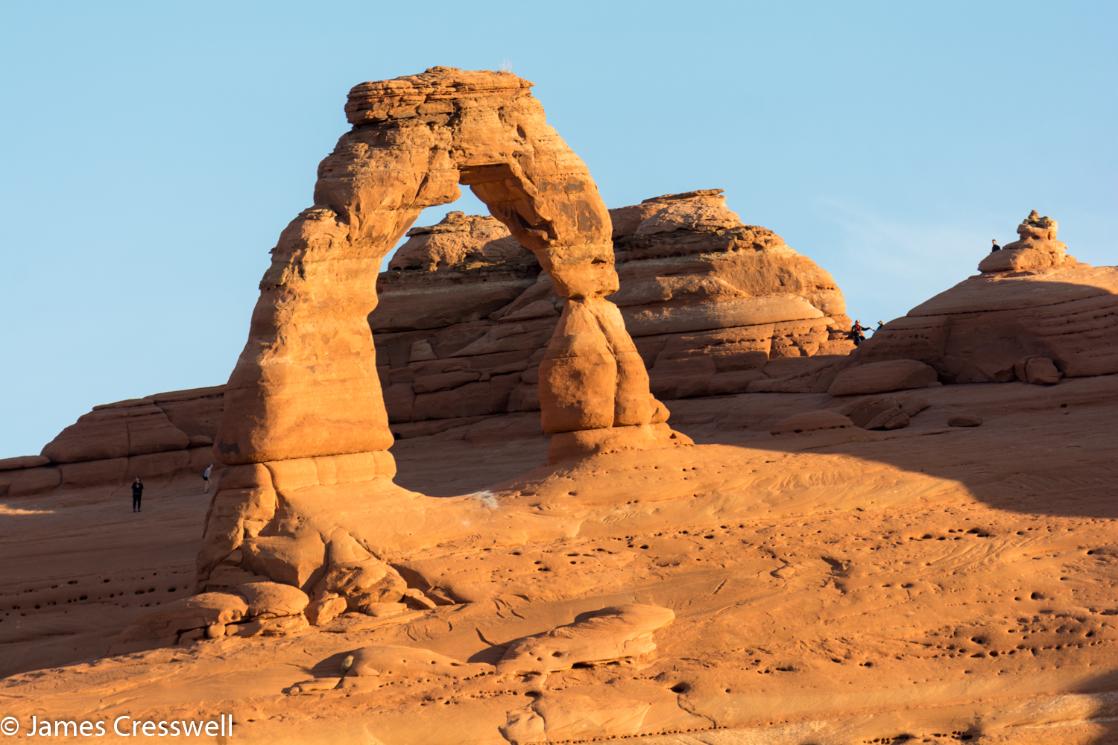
column 414, row 140
column 883, row 377
column 18, row 483
column 172, row 622
column 1038, row 371
column 465, row 314
column 884, row 412
column 709, row 303
column 304, row 422
column 964, row 420
column 116, row 431
column 465, row 242
column 272, row 599
column 1036, row 251
column 811, row 421
column 981, row 329
column 598, row 637
column 23, row 461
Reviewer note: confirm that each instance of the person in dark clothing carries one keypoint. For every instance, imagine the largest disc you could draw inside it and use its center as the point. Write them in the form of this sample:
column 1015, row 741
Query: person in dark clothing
column 857, row 333
column 137, row 493
column 995, row 247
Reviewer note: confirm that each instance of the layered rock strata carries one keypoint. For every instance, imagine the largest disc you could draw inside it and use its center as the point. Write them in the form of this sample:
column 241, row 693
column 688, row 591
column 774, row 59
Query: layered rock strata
column 150, row 437
column 1034, row 314
column 710, row 302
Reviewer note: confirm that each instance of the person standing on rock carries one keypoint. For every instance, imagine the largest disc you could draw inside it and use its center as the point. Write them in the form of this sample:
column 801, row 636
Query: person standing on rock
column 206, row 472
column 995, row 246
column 137, row 493
column 857, row 333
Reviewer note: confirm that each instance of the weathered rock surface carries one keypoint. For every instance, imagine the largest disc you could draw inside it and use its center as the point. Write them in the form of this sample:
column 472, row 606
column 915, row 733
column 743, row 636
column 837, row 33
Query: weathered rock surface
column 384, row 660
column 884, row 412
column 709, row 302
column 1038, row 371
column 1031, row 301
column 155, row 436
column 175, row 621
column 811, row 421
column 597, row 637
column 964, row 420
column 155, row 424
column 272, row 599
column 883, row 377
column 784, row 559
column 1036, row 251
column 23, row 461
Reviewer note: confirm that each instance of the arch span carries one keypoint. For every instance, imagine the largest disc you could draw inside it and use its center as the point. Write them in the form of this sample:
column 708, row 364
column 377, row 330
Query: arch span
column 306, row 384
column 304, row 436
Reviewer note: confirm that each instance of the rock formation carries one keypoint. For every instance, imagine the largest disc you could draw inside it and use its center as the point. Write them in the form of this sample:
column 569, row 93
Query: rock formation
column 464, row 315
column 1034, row 314
column 709, row 301
column 594, row 638
column 306, row 495
column 414, row 139
column 154, row 436
column 1037, row 250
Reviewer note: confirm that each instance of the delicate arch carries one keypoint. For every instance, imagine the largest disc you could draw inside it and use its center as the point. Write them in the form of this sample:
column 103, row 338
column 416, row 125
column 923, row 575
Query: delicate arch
column 306, row 383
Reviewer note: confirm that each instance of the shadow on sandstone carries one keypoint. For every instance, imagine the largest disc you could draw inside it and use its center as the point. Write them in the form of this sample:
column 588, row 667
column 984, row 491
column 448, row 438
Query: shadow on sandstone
column 1037, row 450
column 1104, row 692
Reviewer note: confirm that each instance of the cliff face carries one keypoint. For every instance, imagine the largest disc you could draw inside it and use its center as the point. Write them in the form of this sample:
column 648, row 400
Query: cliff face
column 1033, row 314
column 464, row 313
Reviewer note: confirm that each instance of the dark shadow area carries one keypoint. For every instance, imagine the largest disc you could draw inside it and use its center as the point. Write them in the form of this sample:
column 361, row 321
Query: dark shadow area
column 331, row 667
column 1039, row 450
column 1104, row 690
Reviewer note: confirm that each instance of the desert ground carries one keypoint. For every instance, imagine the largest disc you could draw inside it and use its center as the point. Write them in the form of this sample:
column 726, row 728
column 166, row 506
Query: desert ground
column 931, row 584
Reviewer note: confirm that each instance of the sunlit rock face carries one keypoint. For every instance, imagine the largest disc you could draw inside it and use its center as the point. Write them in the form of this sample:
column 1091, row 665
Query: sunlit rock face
column 1034, row 314
column 463, row 317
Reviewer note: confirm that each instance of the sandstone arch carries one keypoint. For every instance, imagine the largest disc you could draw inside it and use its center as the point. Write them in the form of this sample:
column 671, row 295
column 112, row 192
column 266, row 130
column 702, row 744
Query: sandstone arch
column 306, row 385
column 304, row 435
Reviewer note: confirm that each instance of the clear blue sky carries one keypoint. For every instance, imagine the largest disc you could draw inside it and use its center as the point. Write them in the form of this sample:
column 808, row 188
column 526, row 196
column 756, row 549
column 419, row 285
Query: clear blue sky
column 150, row 153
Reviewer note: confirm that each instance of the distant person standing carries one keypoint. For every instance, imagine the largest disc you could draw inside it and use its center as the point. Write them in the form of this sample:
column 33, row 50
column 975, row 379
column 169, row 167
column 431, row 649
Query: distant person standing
column 995, row 246
column 137, row 493
column 206, row 473
column 880, row 325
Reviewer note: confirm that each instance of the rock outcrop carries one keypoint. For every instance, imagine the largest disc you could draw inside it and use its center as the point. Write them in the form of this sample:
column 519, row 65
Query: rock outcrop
column 594, row 638
column 883, row 377
column 710, row 302
column 1037, row 251
column 811, row 421
column 884, row 412
column 154, row 436
column 1034, row 314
